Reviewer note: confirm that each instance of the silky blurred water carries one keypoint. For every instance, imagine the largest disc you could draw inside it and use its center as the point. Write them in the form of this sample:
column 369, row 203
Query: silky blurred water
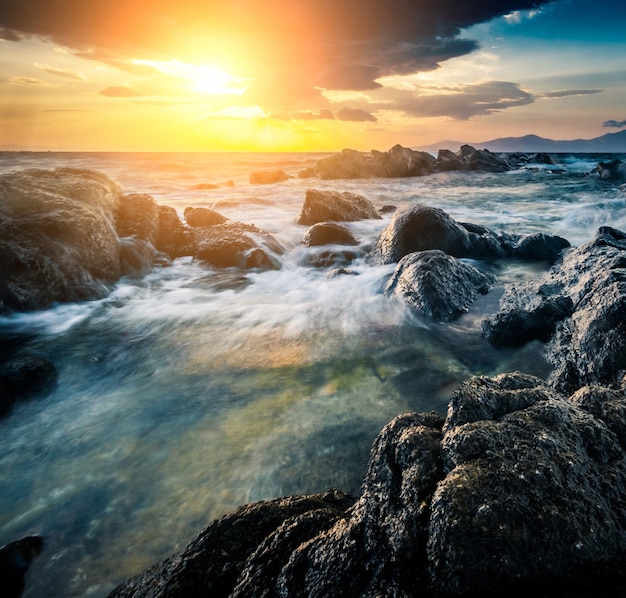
column 192, row 390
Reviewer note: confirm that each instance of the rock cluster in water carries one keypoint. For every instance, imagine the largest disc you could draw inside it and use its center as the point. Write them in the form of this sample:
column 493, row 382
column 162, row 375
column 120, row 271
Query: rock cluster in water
column 519, row 490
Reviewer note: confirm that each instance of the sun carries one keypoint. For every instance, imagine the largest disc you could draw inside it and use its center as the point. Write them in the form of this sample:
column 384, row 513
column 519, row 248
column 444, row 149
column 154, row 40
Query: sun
column 203, row 79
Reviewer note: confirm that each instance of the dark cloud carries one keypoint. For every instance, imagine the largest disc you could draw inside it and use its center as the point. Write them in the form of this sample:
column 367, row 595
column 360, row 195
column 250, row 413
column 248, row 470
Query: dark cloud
column 290, row 47
column 356, row 115
column 617, row 124
column 571, row 92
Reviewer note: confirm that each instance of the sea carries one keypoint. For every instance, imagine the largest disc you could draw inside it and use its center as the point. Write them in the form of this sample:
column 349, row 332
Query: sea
column 191, row 390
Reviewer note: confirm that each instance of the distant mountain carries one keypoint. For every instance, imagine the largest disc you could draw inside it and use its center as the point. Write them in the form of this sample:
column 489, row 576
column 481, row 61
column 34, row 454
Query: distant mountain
column 609, row 143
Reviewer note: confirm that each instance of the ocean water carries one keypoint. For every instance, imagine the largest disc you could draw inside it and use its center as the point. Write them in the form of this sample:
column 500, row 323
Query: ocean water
column 192, row 390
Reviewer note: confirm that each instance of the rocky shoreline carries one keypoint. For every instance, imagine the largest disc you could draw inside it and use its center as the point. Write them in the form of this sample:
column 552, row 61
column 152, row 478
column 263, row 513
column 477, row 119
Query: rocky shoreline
column 520, row 489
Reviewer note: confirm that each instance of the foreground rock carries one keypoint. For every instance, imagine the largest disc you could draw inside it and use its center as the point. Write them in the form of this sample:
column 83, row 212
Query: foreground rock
column 419, row 228
column 15, row 559
column 24, row 377
column 518, row 492
column 579, row 304
column 327, row 233
column 322, row 206
column 436, row 285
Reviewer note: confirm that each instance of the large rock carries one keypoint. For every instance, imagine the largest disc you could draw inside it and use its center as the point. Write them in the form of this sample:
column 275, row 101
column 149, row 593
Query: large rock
column 203, row 217
column 233, row 244
column 397, row 162
column 615, row 170
column 436, row 285
column 419, row 228
column 15, row 559
column 518, row 492
column 322, row 206
column 139, row 217
column 470, row 158
column 579, row 304
column 175, row 239
column 327, row 233
column 267, row 176
column 58, row 238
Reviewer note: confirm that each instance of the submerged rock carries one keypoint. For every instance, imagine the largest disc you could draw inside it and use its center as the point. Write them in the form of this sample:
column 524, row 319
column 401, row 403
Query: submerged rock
column 323, row 206
column 267, row 176
column 436, row 285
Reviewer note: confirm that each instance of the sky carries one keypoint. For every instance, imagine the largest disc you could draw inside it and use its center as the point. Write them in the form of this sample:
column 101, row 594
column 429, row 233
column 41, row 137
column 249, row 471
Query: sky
column 306, row 75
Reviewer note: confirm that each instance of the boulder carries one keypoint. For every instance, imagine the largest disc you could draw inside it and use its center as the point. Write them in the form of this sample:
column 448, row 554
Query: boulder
column 233, row 244
column 267, row 176
column 58, row 238
column 578, row 306
column 470, row 158
column 139, row 217
column 418, row 228
column 328, row 233
column 203, row 217
column 436, row 285
column 397, row 162
column 175, row 239
column 322, row 206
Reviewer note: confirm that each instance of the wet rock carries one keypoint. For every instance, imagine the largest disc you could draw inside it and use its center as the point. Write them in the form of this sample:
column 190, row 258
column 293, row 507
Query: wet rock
column 233, row 244
column 579, row 305
column 470, row 158
column 341, row 272
column 436, row 285
column 261, row 534
column 334, row 258
column 267, row 176
column 29, row 374
column 419, row 228
column 175, row 239
column 615, row 170
column 323, row 206
column 328, row 233
column 139, row 217
column 203, row 217
column 15, row 559
column 58, row 238
column 397, row 162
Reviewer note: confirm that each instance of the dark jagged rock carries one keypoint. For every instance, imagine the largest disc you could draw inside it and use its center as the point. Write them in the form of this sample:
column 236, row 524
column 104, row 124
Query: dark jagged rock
column 419, row 228
column 323, row 206
column 518, row 492
column 175, row 239
column 233, row 244
column 58, row 238
column 327, row 233
column 214, row 561
column 334, row 258
column 579, row 304
column 139, row 217
column 470, row 158
column 436, row 285
column 29, row 374
column 397, row 162
column 203, row 217
column 15, row 559
column 615, row 170
column 267, row 176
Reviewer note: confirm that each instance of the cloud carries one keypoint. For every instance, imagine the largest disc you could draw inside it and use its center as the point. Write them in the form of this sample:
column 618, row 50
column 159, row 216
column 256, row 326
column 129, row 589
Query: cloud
column 26, row 81
column 291, row 49
column 356, row 115
column 323, row 114
column 570, row 92
column 53, row 70
column 617, row 124
column 121, row 91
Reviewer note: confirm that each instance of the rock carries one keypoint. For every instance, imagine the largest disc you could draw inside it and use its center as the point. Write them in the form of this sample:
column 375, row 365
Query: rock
column 334, row 258
column 470, row 158
column 203, row 217
column 341, row 272
column 267, row 176
column 233, row 244
column 29, row 374
column 261, row 534
column 205, row 186
column 15, row 559
column 58, row 238
column 418, row 228
column 615, row 170
column 397, row 162
column 175, row 239
column 139, row 217
column 531, row 494
column 436, row 285
column 307, row 173
column 578, row 305
column 322, row 206
column 328, row 233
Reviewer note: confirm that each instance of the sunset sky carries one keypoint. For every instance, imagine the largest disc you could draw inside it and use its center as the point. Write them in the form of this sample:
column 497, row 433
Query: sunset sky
column 187, row 75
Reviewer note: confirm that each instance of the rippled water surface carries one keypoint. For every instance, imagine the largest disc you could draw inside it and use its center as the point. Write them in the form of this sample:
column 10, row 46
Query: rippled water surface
column 191, row 391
